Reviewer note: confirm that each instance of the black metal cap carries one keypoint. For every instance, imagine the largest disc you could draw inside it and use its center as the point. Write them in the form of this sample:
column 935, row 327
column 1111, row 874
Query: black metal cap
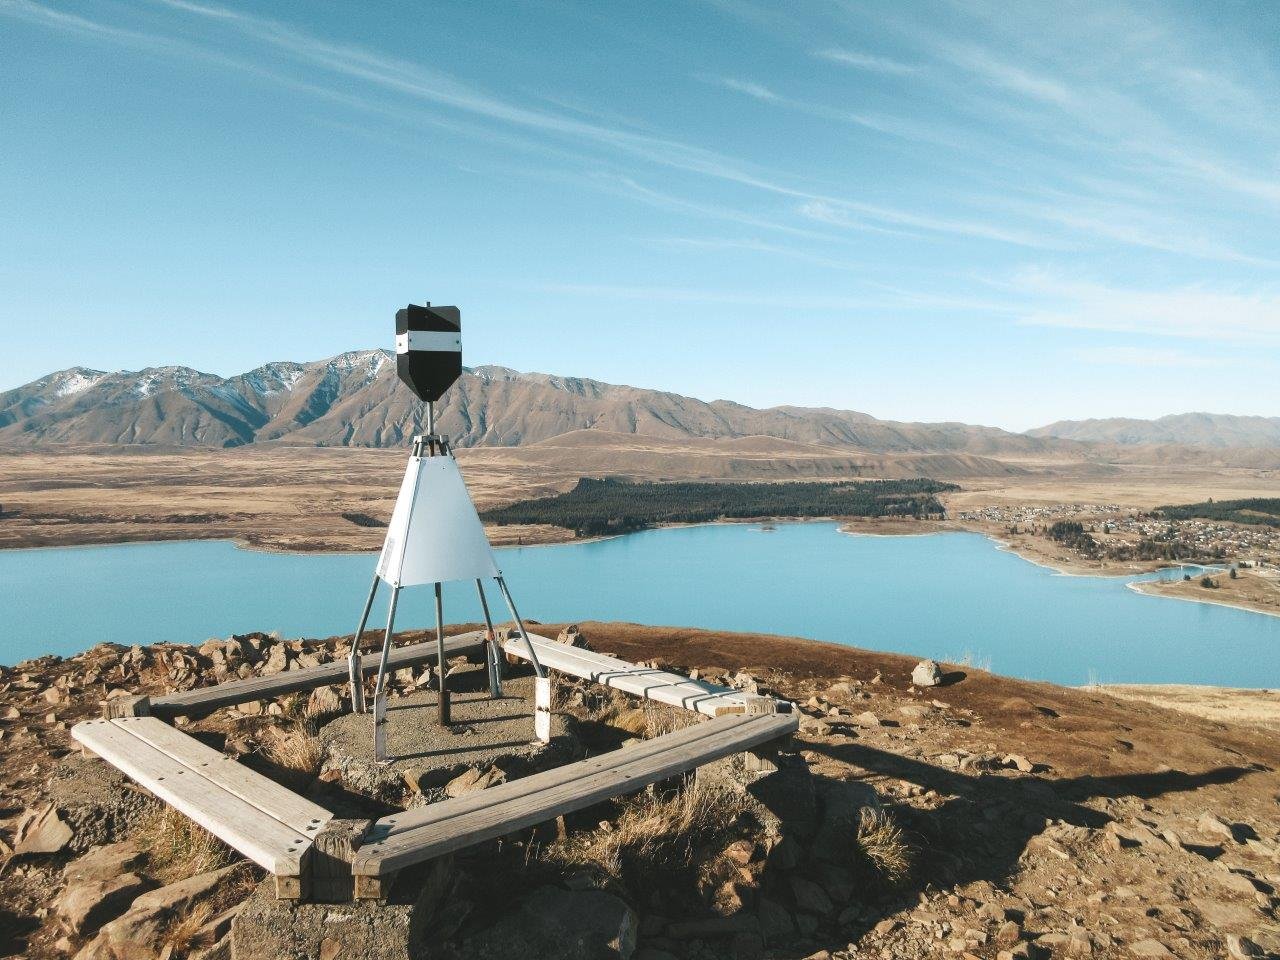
column 429, row 349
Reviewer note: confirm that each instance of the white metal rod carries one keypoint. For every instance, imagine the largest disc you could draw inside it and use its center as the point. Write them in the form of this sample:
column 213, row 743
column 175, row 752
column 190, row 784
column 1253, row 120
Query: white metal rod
column 355, row 662
column 491, row 647
column 379, row 690
column 443, row 699
column 511, row 605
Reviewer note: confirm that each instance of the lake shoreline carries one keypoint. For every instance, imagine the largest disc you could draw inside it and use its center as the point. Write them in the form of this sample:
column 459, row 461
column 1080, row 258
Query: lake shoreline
column 506, row 538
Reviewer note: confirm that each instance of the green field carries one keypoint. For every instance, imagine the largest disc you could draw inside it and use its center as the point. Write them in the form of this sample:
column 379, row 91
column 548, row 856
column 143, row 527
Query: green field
column 601, row 506
column 1265, row 512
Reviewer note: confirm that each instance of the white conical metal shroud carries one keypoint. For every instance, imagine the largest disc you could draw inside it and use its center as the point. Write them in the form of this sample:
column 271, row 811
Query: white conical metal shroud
column 435, row 534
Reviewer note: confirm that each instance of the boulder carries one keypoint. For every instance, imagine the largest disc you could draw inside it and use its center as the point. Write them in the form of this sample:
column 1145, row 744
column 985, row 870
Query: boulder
column 1242, row 948
column 1213, row 826
column 104, row 862
column 811, row 898
column 572, row 636
column 842, row 803
column 138, row 932
column 775, row 920
column 1149, row 948
column 86, row 905
column 556, row 924
column 43, row 831
column 927, row 673
column 473, row 779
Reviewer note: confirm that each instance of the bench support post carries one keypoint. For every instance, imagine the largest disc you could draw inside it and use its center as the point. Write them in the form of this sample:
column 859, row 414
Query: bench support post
column 335, row 850
column 119, row 707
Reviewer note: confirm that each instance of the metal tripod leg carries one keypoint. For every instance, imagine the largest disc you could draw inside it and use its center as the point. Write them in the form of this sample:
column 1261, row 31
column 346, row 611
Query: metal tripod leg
column 542, row 682
column 380, row 689
column 441, row 666
column 492, row 654
column 354, row 660
column 524, row 634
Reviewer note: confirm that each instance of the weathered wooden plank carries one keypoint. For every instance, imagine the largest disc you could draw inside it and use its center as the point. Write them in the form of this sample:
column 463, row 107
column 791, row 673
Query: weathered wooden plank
column 428, row 832
column 207, row 699
column 263, row 839
column 569, row 773
column 663, row 686
column 295, row 812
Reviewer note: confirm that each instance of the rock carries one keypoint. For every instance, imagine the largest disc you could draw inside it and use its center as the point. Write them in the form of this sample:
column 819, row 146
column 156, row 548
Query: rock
column 886, row 927
column 1149, row 948
column 842, row 805
column 1009, row 933
column 43, row 831
column 810, row 897
column 138, row 930
column 814, row 726
column 740, row 852
column 559, row 924
column 277, row 660
column 1235, row 882
column 775, row 920
column 868, row 719
column 324, row 700
column 85, row 906
column 1212, row 826
column 927, row 673
column 572, row 636
column 474, row 779
column 1242, row 948
column 104, row 862
column 712, row 927
column 1018, row 762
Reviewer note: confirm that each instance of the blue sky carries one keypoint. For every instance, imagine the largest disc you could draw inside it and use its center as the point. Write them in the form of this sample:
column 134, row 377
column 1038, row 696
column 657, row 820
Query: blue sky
column 1005, row 213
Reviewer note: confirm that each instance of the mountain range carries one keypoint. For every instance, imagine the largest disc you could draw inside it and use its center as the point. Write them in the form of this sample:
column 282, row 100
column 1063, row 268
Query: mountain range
column 354, row 399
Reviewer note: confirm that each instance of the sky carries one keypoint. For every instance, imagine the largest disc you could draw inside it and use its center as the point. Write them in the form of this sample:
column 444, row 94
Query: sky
column 1000, row 213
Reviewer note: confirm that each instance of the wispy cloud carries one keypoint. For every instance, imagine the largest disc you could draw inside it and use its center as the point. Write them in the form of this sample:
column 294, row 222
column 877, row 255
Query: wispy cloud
column 1191, row 312
column 750, row 88
column 1143, row 357
column 866, row 216
column 865, row 61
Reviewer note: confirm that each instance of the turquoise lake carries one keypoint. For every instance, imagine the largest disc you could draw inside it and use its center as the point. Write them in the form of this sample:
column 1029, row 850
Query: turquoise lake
column 950, row 596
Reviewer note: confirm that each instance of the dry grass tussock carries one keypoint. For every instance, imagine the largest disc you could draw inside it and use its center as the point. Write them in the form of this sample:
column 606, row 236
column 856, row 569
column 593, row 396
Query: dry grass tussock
column 182, row 935
column 178, row 848
column 293, row 747
column 655, row 837
column 884, row 848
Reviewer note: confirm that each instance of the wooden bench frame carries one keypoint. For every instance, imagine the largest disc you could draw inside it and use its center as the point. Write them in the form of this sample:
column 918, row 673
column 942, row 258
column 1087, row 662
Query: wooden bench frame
column 293, row 838
column 272, row 826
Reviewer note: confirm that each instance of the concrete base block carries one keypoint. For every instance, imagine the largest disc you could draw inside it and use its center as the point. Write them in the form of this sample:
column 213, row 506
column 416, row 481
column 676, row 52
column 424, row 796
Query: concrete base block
column 367, row 930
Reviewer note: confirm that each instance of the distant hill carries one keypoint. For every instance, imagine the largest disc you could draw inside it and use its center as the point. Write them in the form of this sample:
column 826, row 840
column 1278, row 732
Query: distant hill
column 354, row 399
column 1216, row 430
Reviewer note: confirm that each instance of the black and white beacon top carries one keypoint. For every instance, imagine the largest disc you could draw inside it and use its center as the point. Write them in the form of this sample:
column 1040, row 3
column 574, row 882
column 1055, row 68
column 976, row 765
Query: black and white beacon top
column 429, row 349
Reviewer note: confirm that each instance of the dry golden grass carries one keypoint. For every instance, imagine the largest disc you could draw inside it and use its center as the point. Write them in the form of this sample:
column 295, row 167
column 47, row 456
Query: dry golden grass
column 293, row 747
column 178, row 848
column 181, row 936
column 654, row 836
column 883, row 847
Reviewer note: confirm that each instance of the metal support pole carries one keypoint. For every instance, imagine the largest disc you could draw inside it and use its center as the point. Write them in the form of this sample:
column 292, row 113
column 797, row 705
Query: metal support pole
column 379, row 690
column 440, row 664
column 533, row 656
column 355, row 662
column 492, row 654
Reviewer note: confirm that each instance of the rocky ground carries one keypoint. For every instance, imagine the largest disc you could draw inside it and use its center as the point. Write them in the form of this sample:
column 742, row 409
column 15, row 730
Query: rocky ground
column 924, row 813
